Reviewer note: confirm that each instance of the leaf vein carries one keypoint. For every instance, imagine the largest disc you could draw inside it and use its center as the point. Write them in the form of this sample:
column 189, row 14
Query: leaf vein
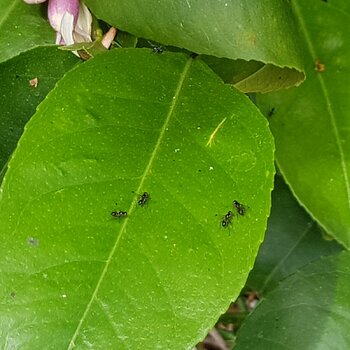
column 328, row 104
column 132, row 207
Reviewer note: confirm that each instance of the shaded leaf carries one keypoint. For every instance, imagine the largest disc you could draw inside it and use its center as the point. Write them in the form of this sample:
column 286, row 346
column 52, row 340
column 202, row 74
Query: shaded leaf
column 311, row 124
column 126, row 122
column 21, row 93
column 292, row 240
column 22, row 27
column 247, row 30
column 314, row 303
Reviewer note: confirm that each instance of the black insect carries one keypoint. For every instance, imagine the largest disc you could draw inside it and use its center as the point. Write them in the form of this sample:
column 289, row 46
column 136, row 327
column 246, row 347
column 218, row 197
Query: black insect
column 156, row 48
column 271, row 112
column 119, row 214
column 240, row 208
column 227, row 218
column 145, row 197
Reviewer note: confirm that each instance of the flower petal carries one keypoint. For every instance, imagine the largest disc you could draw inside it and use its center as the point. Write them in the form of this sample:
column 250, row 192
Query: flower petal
column 57, row 9
column 66, row 29
column 82, row 30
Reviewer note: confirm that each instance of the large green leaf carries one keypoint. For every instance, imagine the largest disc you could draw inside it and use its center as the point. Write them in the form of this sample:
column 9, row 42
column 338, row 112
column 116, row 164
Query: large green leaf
column 292, row 240
column 22, row 27
column 19, row 98
column 311, row 123
column 131, row 120
column 309, row 310
column 249, row 30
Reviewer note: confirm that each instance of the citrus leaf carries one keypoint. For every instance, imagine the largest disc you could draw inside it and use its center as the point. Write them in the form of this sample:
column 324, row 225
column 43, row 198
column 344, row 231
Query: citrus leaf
column 311, row 123
column 127, row 122
column 25, row 81
column 247, row 30
column 292, row 240
column 314, row 302
column 22, row 27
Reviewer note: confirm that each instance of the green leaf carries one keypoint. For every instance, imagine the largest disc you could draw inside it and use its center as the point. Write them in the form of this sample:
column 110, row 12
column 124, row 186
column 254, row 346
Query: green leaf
column 126, row 122
column 19, row 99
column 308, row 310
column 22, row 27
column 247, row 30
column 292, row 240
column 311, row 123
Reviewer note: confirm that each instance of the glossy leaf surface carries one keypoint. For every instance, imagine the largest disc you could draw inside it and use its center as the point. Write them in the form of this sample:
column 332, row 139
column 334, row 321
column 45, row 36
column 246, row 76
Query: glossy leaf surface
column 21, row 93
column 126, row 122
column 262, row 31
column 22, row 27
column 314, row 303
column 311, row 123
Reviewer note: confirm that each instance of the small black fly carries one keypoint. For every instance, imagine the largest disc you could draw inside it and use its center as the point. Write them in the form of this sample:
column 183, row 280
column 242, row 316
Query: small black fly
column 227, row 218
column 119, row 214
column 144, row 198
column 240, row 208
column 271, row 112
column 156, row 48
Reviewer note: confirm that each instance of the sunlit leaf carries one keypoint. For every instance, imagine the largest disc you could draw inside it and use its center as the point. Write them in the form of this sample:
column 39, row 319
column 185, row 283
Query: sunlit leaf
column 124, row 123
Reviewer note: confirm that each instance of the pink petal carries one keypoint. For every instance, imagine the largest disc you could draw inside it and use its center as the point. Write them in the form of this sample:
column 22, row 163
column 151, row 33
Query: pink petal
column 57, row 9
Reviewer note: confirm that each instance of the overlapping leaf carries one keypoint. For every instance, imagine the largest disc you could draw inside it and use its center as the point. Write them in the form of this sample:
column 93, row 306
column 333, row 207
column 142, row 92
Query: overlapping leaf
column 22, row 27
column 292, row 241
column 313, row 303
column 25, row 81
column 262, row 33
column 311, row 123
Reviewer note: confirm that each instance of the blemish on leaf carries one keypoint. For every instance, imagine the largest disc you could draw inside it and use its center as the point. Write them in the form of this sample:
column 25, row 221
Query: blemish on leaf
column 319, row 67
column 271, row 112
column 13, row 294
column 33, row 82
column 212, row 136
column 33, row 241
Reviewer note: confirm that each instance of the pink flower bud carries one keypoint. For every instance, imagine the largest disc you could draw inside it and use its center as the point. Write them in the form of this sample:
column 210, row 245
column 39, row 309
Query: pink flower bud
column 58, row 8
column 71, row 20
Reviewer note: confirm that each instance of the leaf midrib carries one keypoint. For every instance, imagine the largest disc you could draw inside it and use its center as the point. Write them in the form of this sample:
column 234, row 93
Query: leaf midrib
column 133, row 203
column 328, row 102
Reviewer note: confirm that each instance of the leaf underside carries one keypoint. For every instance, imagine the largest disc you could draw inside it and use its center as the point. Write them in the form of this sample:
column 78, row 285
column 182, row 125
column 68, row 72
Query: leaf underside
column 263, row 32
